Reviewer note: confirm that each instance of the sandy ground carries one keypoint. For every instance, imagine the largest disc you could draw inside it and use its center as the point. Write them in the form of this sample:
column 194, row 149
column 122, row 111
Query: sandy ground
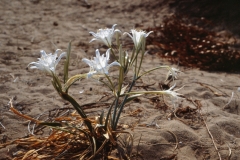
column 26, row 27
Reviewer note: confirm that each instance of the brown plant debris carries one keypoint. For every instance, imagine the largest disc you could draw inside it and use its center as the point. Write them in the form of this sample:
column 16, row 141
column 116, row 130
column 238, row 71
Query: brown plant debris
column 189, row 43
column 69, row 138
column 67, row 141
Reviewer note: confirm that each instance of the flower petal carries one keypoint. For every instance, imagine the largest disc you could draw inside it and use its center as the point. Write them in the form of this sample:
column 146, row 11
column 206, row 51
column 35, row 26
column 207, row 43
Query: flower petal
column 113, row 26
column 108, row 54
column 114, row 64
column 64, row 54
column 128, row 34
column 148, row 33
column 97, row 54
column 43, row 53
column 89, row 62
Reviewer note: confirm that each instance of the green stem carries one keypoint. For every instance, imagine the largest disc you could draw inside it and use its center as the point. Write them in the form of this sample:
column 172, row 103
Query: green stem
column 140, row 63
column 135, row 70
column 123, row 103
column 111, row 84
column 113, row 54
column 115, row 110
column 66, row 65
column 132, row 56
column 108, row 115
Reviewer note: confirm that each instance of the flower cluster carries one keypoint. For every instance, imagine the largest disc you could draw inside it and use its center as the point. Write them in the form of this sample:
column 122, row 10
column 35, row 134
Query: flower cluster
column 100, row 63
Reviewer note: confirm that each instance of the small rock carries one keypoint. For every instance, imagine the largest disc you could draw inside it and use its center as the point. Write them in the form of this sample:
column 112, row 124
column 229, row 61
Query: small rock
column 55, row 23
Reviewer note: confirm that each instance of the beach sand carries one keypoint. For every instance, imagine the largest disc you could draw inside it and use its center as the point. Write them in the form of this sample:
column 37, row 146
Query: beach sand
column 211, row 99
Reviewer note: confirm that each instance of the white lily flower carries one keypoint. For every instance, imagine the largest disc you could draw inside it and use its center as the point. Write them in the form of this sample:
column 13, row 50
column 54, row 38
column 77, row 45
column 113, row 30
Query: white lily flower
column 172, row 73
column 172, row 92
column 99, row 64
column 138, row 37
column 47, row 62
column 105, row 35
column 169, row 92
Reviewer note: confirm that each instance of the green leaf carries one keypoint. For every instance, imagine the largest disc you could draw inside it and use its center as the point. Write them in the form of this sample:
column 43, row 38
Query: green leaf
column 75, row 104
column 57, row 82
column 108, row 115
column 152, row 70
column 72, row 80
column 120, row 79
column 130, row 98
column 79, row 109
column 66, row 65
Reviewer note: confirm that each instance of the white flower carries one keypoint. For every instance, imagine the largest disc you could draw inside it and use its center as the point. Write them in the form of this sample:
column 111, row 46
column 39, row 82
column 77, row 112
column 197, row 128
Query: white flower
column 99, row 64
column 172, row 92
column 105, row 35
column 172, row 73
column 138, row 37
column 47, row 62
